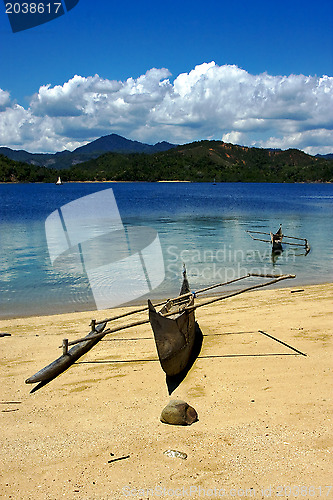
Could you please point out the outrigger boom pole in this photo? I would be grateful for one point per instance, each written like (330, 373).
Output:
(51, 371)
(163, 302)
(275, 279)
(284, 236)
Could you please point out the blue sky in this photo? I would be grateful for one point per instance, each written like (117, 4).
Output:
(265, 88)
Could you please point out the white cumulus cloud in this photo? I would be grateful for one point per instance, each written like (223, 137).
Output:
(210, 102)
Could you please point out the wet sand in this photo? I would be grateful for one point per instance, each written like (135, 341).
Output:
(94, 433)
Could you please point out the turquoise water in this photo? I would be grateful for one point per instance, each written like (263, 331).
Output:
(201, 225)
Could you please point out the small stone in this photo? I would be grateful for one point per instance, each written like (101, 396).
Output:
(178, 412)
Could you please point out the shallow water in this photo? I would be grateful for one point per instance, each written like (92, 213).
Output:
(201, 225)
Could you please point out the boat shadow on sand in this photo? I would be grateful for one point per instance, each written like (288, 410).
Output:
(174, 381)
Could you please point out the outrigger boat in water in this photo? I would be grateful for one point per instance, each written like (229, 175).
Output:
(173, 327)
(278, 239)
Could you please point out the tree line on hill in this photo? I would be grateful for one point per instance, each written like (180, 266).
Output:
(201, 161)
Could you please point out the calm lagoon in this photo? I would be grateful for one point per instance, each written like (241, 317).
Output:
(199, 224)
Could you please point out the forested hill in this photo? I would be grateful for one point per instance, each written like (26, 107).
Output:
(205, 161)
(197, 162)
(17, 171)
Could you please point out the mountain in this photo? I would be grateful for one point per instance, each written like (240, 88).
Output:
(207, 160)
(328, 156)
(65, 159)
(201, 161)
(117, 144)
(21, 155)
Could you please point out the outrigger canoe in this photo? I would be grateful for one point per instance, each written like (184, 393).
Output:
(174, 330)
(276, 240)
(173, 326)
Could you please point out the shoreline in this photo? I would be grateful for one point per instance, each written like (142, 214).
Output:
(142, 302)
(171, 181)
(94, 433)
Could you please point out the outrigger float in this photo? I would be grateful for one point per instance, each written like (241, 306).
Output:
(173, 328)
(276, 240)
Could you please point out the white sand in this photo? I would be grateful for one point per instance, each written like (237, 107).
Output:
(264, 411)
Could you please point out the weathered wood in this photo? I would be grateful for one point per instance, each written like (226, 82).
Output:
(260, 239)
(174, 337)
(253, 287)
(128, 313)
(98, 336)
(271, 275)
(295, 244)
(284, 236)
(257, 232)
(284, 242)
(65, 346)
(294, 237)
(142, 322)
(61, 364)
(145, 308)
(221, 284)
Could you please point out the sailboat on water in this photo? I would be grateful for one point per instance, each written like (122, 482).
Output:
(59, 182)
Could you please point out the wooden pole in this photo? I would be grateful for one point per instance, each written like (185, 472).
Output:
(269, 275)
(284, 236)
(65, 346)
(221, 284)
(257, 232)
(294, 244)
(294, 237)
(107, 332)
(283, 242)
(191, 308)
(142, 309)
(238, 292)
(123, 315)
(260, 239)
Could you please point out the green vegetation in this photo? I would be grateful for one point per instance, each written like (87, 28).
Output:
(197, 162)
(16, 171)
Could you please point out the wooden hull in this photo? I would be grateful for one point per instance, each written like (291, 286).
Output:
(276, 240)
(61, 364)
(174, 335)
(277, 247)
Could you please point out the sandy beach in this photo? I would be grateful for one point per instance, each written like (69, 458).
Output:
(264, 428)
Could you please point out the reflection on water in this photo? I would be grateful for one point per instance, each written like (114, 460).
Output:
(201, 225)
